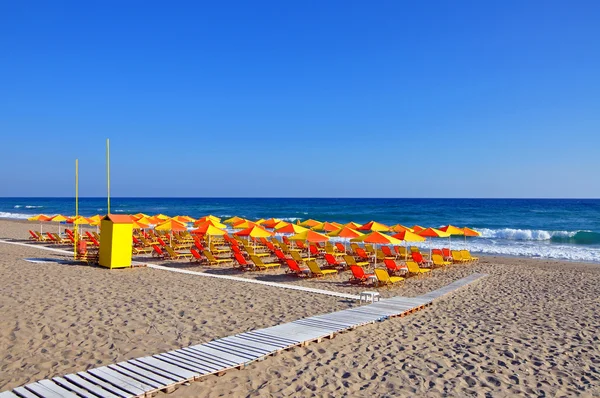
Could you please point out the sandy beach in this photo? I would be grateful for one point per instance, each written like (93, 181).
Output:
(529, 328)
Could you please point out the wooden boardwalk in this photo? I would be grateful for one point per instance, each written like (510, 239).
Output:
(142, 377)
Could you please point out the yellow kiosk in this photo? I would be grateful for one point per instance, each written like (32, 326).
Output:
(115, 241)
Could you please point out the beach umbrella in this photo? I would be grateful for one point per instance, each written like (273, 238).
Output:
(310, 223)
(153, 220)
(309, 236)
(243, 224)
(345, 233)
(170, 225)
(41, 218)
(452, 230)
(353, 225)
(326, 227)
(183, 219)
(417, 228)
(400, 228)
(146, 220)
(377, 238)
(210, 217)
(208, 229)
(271, 222)
(260, 221)
(469, 232)
(162, 217)
(433, 233)
(373, 226)
(233, 220)
(139, 225)
(408, 236)
(212, 222)
(280, 224)
(59, 218)
(140, 215)
(291, 229)
(255, 231)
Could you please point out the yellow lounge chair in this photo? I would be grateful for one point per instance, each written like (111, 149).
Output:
(316, 271)
(252, 251)
(385, 279)
(414, 269)
(351, 261)
(214, 260)
(458, 258)
(260, 265)
(177, 255)
(438, 261)
(467, 255)
(298, 258)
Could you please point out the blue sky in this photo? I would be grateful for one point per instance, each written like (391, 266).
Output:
(301, 98)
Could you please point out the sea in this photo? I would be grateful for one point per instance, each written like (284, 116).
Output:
(566, 229)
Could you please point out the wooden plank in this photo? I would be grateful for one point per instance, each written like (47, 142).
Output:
(22, 392)
(195, 359)
(123, 382)
(76, 389)
(8, 394)
(266, 343)
(151, 373)
(107, 386)
(208, 358)
(153, 383)
(42, 391)
(263, 333)
(250, 345)
(176, 370)
(63, 392)
(247, 355)
(233, 358)
(322, 325)
(186, 364)
(83, 383)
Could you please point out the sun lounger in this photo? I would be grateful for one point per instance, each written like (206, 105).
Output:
(438, 261)
(467, 256)
(295, 269)
(316, 271)
(393, 267)
(414, 269)
(177, 255)
(384, 278)
(351, 261)
(214, 260)
(260, 265)
(359, 275)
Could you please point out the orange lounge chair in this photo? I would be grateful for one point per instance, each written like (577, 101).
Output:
(359, 275)
(393, 267)
(295, 269)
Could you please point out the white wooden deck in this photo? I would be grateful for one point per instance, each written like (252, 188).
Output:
(144, 376)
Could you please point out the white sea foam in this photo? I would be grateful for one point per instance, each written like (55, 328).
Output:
(524, 234)
(14, 215)
(289, 219)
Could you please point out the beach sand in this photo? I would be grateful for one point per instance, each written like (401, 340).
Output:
(529, 328)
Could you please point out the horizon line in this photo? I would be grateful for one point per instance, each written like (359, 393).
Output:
(298, 197)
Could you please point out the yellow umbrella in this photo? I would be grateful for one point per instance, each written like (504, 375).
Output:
(162, 217)
(215, 224)
(243, 224)
(373, 226)
(255, 231)
(139, 225)
(145, 220)
(184, 219)
(400, 228)
(233, 220)
(59, 218)
(310, 223)
(309, 236)
(170, 225)
(140, 215)
(41, 218)
(408, 236)
(280, 224)
(352, 225)
(377, 238)
(262, 220)
(291, 229)
(210, 217)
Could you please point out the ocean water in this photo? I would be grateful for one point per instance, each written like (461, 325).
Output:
(544, 228)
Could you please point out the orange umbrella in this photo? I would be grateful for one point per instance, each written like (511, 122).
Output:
(212, 222)
(469, 232)
(310, 223)
(233, 220)
(270, 223)
(243, 224)
(41, 218)
(309, 236)
(345, 232)
(326, 227)
(255, 231)
(377, 238)
(433, 233)
(139, 225)
(373, 226)
(400, 228)
(353, 225)
(417, 228)
(452, 230)
(408, 236)
(291, 229)
(183, 219)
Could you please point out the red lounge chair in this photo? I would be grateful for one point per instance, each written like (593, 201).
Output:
(314, 251)
(162, 242)
(294, 268)
(362, 254)
(447, 254)
(359, 275)
(418, 258)
(158, 252)
(33, 235)
(332, 262)
(393, 267)
(280, 256)
(340, 247)
(196, 257)
(387, 252)
(243, 264)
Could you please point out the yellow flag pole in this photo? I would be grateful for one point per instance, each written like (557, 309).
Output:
(108, 173)
(76, 226)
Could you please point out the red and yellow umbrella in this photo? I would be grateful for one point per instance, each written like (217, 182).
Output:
(373, 226)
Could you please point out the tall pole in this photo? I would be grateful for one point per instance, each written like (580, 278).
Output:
(76, 227)
(108, 173)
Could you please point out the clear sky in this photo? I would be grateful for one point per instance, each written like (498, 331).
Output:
(301, 98)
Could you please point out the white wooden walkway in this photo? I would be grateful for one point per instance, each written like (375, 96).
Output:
(144, 376)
